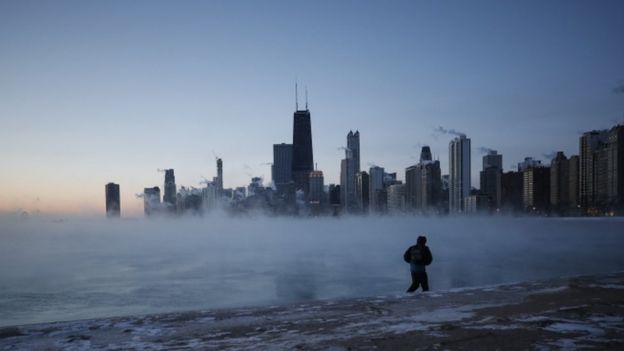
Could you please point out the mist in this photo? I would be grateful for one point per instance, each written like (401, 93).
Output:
(90, 267)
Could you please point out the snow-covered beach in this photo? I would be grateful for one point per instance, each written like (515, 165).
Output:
(565, 313)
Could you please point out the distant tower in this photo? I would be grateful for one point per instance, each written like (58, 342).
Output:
(376, 188)
(219, 176)
(353, 144)
(151, 200)
(349, 168)
(491, 178)
(113, 203)
(317, 186)
(425, 154)
(281, 171)
(302, 158)
(169, 199)
(560, 180)
(459, 173)
(423, 184)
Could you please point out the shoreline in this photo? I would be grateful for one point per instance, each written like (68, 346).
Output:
(571, 312)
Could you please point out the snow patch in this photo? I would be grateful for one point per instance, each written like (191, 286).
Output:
(566, 327)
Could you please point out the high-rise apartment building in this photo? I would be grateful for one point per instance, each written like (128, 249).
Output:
(536, 189)
(573, 185)
(512, 187)
(615, 168)
(491, 178)
(560, 183)
(589, 143)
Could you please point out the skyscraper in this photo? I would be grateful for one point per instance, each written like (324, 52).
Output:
(491, 178)
(396, 198)
(423, 183)
(412, 187)
(281, 170)
(169, 198)
(560, 183)
(425, 154)
(527, 163)
(151, 200)
(589, 142)
(113, 203)
(573, 185)
(219, 177)
(302, 157)
(536, 189)
(615, 168)
(317, 185)
(349, 167)
(361, 191)
(376, 188)
(353, 144)
(512, 188)
(459, 173)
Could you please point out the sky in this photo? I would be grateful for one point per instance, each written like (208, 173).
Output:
(99, 91)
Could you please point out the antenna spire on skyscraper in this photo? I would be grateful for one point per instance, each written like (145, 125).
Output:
(296, 97)
(306, 92)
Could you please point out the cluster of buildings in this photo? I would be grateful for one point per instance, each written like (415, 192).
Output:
(591, 183)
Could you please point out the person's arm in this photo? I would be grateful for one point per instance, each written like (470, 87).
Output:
(428, 255)
(407, 256)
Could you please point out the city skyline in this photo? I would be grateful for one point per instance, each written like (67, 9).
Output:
(82, 110)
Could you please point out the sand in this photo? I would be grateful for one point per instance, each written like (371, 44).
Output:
(566, 313)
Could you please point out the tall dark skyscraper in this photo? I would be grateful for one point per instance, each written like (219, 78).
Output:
(349, 167)
(113, 203)
(491, 178)
(353, 144)
(425, 154)
(459, 173)
(169, 198)
(281, 171)
(219, 177)
(589, 143)
(302, 158)
(560, 183)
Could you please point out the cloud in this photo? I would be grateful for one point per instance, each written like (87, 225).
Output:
(549, 156)
(485, 150)
(443, 131)
(619, 89)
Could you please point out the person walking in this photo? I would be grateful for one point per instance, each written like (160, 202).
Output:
(419, 257)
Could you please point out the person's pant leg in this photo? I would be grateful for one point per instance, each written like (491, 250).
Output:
(424, 281)
(415, 284)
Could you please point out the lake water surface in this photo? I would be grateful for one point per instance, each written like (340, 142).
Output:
(88, 268)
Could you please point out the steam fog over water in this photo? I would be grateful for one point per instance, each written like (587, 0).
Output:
(87, 268)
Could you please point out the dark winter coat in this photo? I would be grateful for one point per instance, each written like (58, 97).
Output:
(425, 255)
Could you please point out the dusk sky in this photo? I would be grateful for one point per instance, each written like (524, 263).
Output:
(93, 92)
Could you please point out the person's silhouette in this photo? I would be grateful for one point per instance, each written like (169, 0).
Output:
(418, 256)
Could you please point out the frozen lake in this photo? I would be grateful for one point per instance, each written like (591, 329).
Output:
(87, 268)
